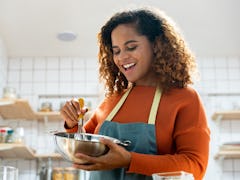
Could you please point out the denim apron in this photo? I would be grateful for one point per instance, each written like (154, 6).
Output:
(141, 135)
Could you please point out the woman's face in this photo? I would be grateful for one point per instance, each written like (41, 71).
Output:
(133, 55)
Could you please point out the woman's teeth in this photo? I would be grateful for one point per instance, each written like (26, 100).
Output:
(127, 66)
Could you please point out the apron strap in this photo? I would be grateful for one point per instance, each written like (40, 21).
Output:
(118, 105)
(155, 104)
(153, 111)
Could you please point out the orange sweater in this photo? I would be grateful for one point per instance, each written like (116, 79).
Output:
(181, 129)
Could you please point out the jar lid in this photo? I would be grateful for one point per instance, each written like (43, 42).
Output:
(10, 131)
(2, 130)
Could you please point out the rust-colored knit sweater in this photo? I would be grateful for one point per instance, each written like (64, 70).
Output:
(181, 129)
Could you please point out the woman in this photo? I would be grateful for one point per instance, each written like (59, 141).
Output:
(147, 69)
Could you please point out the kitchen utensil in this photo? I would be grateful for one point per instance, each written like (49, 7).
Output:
(68, 146)
(80, 120)
(8, 173)
(177, 175)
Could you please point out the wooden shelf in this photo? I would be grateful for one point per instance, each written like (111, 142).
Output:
(21, 151)
(54, 115)
(226, 115)
(16, 151)
(20, 109)
(228, 154)
(53, 156)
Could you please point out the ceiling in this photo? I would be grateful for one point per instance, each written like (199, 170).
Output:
(30, 27)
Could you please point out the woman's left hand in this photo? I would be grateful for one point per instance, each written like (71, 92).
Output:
(117, 157)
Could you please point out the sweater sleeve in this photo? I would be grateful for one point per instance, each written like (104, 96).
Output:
(190, 142)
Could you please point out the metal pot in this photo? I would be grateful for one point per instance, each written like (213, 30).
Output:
(89, 144)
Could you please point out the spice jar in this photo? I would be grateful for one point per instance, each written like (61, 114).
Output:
(3, 134)
(46, 107)
(58, 174)
(70, 174)
(9, 136)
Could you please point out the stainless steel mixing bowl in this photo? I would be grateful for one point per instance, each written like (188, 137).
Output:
(89, 144)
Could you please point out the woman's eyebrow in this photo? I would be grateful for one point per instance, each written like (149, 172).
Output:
(126, 43)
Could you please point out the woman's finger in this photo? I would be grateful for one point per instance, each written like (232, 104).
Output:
(91, 162)
(109, 143)
(71, 110)
(75, 105)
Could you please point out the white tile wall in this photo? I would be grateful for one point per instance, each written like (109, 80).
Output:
(221, 75)
(47, 75)
(3, 66)
(53, 75)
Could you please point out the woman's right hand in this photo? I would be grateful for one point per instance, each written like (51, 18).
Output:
(71, 111)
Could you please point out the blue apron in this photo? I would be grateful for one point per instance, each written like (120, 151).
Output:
(141, 135)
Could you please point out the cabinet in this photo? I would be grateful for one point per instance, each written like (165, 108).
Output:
(230, 150)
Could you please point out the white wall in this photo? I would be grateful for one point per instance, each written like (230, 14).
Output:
(3, 65)
(44, 75)
(219, 76)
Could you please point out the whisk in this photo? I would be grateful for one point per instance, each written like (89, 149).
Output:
(78, 135)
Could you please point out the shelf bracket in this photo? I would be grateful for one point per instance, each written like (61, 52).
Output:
(45, 118)
(219, 118)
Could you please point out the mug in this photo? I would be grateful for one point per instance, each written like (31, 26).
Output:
(177, 175)
(8, 173)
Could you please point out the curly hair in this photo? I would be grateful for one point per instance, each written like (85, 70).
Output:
(173, 64)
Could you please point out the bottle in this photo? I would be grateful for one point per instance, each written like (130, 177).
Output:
(2, 135)
(49, 170)
(9, 136)
(19, 135)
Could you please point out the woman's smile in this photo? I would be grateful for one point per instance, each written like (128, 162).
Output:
(129, 66)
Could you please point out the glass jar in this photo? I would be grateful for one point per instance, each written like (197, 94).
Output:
(70, 174)
(9, 92)
(58, 174)
(46, 107)
(3, 134)
(19, 135)
(9, 136)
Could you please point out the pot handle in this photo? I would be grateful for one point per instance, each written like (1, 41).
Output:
(124, 143)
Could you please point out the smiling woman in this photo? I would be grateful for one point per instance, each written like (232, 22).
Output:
(147, 69)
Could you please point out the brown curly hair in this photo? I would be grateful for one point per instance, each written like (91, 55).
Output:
(174, 63)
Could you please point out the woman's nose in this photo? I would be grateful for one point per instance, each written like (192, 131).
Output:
(123, 55)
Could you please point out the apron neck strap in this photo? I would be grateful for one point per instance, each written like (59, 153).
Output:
(153, 111)
(119, 105)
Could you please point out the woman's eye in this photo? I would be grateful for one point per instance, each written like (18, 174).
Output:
(131, 48)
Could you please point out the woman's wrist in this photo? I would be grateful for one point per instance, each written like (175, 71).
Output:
(66, 126)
